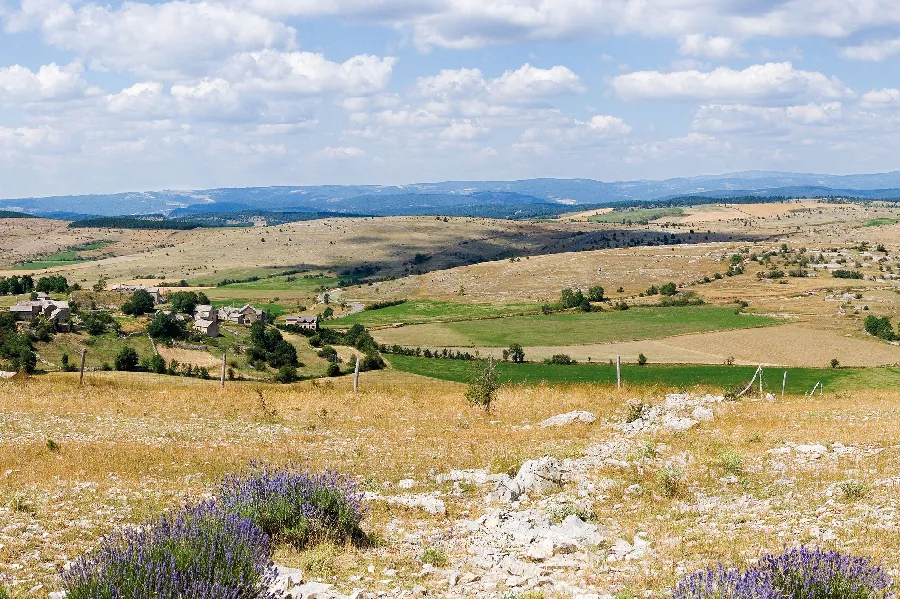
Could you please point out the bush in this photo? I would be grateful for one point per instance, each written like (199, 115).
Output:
(668, 289)
(333, 370)
(879, 327)
(560, 360)
(286, 374)
(732, 462)
(200, 552)
(595, 294)
(157, 364)
(670, 481)
(853, 490)
(166, 326)
(127, 359)
(515, 353)
(798, 572)
(97, 323)
(846, 274)
(483, 387)
(434, 556)
(642, 360)
(295, 506)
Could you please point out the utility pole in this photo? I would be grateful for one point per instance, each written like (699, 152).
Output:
(356, 376)
(81, 376)
(224, 354)
(619, 372)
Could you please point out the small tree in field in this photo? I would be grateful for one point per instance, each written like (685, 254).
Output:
(642, 360)
(516, 353)
(483, 387)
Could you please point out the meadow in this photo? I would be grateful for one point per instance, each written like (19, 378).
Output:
(575, 328)
(636, 216)
(666, 377)
(424, 311)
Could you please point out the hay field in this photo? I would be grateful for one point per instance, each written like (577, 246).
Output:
(133, 444)
(800, 345)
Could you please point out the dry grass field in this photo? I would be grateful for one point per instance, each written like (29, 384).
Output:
(758, 476)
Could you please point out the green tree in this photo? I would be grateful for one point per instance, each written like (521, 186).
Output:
(668, 289)
(333, 370)
(482, 389)
(166, 326)
(97, 323)
(596, 293)
(158, 364)
(140, 303)
(184, 301)
(127, 359)
(516, 353)
(642, 360)
(286, 374)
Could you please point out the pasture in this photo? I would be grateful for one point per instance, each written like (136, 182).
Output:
(424, 311)
(574, 328)
(666, 377)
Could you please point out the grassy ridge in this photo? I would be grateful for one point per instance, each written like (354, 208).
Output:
(63, 258)
(572, 328)
(800, 380)
(641, 215)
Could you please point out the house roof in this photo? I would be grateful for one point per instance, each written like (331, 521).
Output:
(204, 323)
(303, 318)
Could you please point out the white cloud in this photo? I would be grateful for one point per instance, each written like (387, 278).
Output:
(144, 99)
(703, 46)
(765, 121)
(574, 134)
(464, 131)
(18, 139)
(306, 73)
(334, 153)
(20, 84)
(766, 83)
(881, 97)
(526, 84)
(873, 51)
(167, 39)
(693, 144)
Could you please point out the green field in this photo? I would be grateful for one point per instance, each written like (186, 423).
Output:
(286, 283)
(64, 258)
(575, 328)
(638, 216)
(800, 380)
(880, 222)
(424, 311)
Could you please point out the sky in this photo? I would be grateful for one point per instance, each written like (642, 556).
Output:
(127, 96)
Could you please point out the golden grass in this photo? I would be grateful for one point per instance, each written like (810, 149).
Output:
(129, 444)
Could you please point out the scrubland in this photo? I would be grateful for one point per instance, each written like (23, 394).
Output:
(757, 476)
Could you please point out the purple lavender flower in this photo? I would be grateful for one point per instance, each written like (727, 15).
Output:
(799, 573)
(295, 506)
(198, 551)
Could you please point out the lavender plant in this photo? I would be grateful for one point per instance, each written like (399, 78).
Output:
(798, 573)
(295, 506)
(812, 573)
(198, 551)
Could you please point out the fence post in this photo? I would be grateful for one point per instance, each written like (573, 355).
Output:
(81, 376)
(760, 383)
(356, 376)
(224, 354)
(783, 383)
(619, 372)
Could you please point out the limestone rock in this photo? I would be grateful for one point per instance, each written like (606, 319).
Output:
(569, 418)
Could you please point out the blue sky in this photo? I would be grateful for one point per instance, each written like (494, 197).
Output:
(98, 97)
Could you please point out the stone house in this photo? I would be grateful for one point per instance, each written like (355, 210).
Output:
(310, 323)
(155, 292)
(245, 315)
(49, 309)
(206, 312)
(210, 328)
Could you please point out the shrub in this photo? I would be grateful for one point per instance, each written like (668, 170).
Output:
(516, 353)
(166, 326)
(636, 411)
(642, 360)
(434, 556)
(97, 323)
(127, 359)
(157, 364)
(668, 289)
(198, 551)
(670, 481)
(286, 374)
(731, 462)
(846, 274)
(879, 327)
(853, 490)
(798, 572)
(295, 506)
(333, 370)
(596, 293)
(560, 360)
(483, 387)
(835, 363)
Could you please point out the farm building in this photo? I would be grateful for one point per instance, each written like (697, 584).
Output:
(210, 328)
(245, 315)
(49, 309)
(205, 312)
(304, 322)
(155, 292)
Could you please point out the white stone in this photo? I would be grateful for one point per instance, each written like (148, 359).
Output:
(569, 418)
(406, 483)
(540, 551)
(702, 414)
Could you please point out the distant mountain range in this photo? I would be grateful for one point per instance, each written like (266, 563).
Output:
(530, 197)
